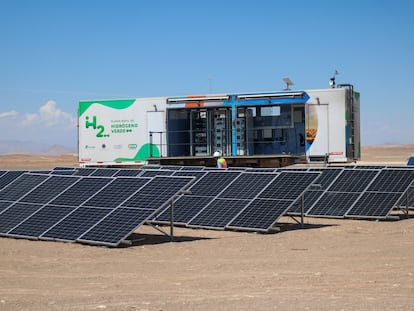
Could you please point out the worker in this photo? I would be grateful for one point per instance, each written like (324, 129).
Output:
(221, 162)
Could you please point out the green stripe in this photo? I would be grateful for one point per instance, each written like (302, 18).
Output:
(115, 104)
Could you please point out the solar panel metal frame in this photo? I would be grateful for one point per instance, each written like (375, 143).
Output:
(150, 213)
(21, 186)
(270, 224)
(340, 188)
(282, 211)
(200, 220)
(9, 177)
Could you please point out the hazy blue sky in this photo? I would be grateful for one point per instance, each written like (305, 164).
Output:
(55, 53)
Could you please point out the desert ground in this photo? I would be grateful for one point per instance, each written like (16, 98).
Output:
(330, 264)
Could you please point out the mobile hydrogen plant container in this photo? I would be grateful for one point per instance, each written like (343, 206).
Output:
(311, 125)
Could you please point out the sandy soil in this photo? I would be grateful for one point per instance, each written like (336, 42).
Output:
(329, 265)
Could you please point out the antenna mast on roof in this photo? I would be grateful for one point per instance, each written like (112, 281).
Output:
(288, 83)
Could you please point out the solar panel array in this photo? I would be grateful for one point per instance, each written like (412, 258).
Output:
(242, 200)
(371, 192)
(103, 206)
(94, 209)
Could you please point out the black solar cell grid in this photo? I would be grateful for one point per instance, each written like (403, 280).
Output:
(248, 185)
(25, 183)
(4, 205)
(261, 170)
(128, 173)
(374, 204)
(15, 214)
(116, 192)
(353, 180)
(41, 221)
(185, 208)
(9, 177)
(171, 167)
(63, 172)
(333, 204)
(363, 167)
(153, 173)
(213, 183)
(116, 226)
(49, 189)
(407, 200)
(63, 168)
(81, 191)
(218, 213)
(310, 197)
(84, 171)
(75, 224)
(392, 180)
(288, 185)
(196, 174)
(260, 215)
(158, 191)
(192, 168)
(328, 175)
(105, 172)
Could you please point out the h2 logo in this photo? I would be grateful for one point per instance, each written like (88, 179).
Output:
(100, 128)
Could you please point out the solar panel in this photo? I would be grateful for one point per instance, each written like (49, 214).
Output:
(84, 171)
(333, 204)
(4, 205)
(218, 213)
(261, 170)
(392, 180)
(260, 215)
(328, 175)
(49, 189)
(15, 214)
(62, 172)
(81, 191)
(213, 183)
(248, 185)
(310, 197)
(185, 208)
(157, 191)
(116, 226)
(171, 167)
(75, 224)
(122, 221)
(193, 168)
(116, 192)
(407, 200)
(289, 185)
(196, 174)
(128, 173)
(42, 220)
(9, 177)
(63, 168)
(353, 180)
(25, 183)
(153, 173)
(104, 172)
(374, 204)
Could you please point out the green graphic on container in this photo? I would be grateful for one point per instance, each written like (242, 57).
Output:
(115, 131)
(143, 153)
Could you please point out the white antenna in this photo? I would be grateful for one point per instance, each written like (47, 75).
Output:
(288, 83)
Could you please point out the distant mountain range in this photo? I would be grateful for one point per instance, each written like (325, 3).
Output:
(34, 148)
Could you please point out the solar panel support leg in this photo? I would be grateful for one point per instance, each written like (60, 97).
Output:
(172, 220)
(407, 202)
(302, 209)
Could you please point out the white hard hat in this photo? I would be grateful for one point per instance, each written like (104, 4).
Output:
(216, 154)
